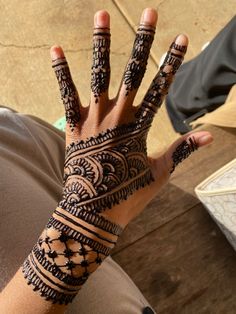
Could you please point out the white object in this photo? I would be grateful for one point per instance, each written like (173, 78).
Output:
(218, 195)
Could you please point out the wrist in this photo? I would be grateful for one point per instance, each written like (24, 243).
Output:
(67, 252)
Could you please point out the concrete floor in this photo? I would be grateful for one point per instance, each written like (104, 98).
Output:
(29, 28)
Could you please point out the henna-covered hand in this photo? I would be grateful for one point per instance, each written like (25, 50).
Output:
(106, 162)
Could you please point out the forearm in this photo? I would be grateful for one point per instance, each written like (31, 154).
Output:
(67, 252)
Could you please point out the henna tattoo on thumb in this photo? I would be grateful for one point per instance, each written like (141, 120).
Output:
(183, 151)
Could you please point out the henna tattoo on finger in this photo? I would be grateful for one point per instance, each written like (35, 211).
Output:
(68, 92)
(100, 74)
(137, 64)
(161, 83)
(183, 151)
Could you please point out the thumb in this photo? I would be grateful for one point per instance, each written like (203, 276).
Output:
(163, 165)
(184, 147)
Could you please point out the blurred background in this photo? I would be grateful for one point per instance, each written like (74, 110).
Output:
(29, 28)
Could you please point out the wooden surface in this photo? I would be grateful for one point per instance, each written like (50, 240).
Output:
(173, 251)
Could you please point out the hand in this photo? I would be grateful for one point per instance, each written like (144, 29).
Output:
(108, 177)
(106, 159)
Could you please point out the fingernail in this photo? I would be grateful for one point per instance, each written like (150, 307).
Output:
(56, 52)
(181, 40)
(102, 19)
(149, 17)
(205, 139)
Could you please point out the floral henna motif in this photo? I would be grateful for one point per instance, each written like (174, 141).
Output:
(138, 62)
(106, 169)
(101, 63)
(183, 151)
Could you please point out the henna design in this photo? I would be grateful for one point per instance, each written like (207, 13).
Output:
(101, 63)
(106, 169)
(139, 57)
(160, 85)
(60, 263)
(183, 151)
(99, 172)
(68, 91)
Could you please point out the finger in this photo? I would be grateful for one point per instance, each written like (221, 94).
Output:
(184, 147)
(68, 90)
(137, 63)
(100, 75)
(161, 83)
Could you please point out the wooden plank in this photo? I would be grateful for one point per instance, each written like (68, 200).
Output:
(186, 266)
(170, 203)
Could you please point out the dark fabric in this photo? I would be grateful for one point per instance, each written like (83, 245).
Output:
(148, 310)
(205, 81)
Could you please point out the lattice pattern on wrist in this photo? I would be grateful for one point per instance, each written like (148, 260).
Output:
(63, 259)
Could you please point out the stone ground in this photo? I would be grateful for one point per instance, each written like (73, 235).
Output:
(29, 28)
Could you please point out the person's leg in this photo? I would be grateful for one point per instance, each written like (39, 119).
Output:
(31, 162)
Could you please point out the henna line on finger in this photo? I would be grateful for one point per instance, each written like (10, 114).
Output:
(181, 48)
(102, 34)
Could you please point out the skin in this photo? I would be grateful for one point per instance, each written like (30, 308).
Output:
(96, 118)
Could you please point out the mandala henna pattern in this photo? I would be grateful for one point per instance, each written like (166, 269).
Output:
(183, 151)
(68, 91)
(139, 57)
(106, 169)
(101, 63)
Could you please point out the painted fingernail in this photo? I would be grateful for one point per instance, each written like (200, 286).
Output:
(205, 139)
(56, 52)
(149, 17)
(102, 19)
